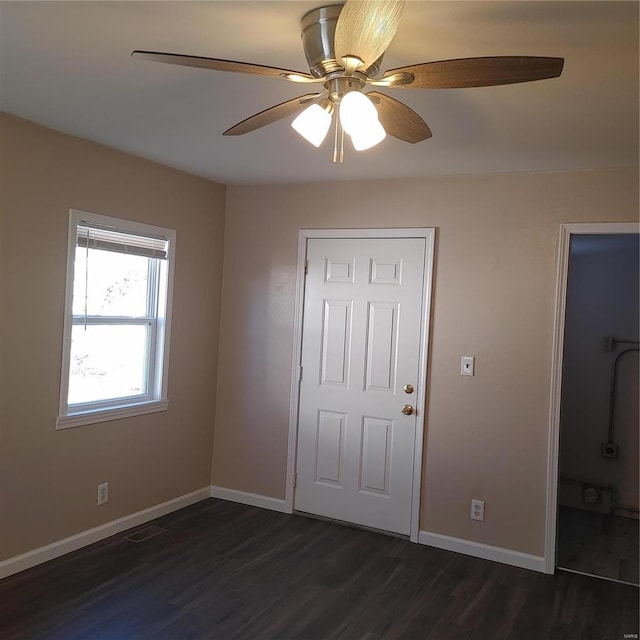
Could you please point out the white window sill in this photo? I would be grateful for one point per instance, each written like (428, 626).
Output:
(105, 415)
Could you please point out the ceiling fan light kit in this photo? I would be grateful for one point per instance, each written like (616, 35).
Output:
(359, 118)
(313, 124)
(367, 137)
(344, 46)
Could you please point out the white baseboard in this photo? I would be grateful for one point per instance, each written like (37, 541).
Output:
(67, 545)
(252, 499)
(484, 551)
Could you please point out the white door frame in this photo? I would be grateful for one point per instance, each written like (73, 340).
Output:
(305, 234)
(566, 231)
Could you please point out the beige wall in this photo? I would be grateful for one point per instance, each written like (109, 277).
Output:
(48, 478)
(486, 436)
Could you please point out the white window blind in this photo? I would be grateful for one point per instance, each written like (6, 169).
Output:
(99, 237)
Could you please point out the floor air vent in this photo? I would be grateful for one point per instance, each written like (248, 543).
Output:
(144, 534)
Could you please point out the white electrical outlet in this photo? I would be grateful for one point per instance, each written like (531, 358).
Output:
(477, 510)
(103, 493)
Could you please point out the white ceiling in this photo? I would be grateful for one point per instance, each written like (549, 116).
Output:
(66, 65)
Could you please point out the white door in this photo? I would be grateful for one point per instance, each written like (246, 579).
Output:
(363, 310)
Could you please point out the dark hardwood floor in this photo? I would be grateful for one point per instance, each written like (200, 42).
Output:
(599, 544)
(224, 571)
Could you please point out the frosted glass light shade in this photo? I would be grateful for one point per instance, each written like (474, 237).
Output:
(313, 124)
(359, 118)
(369, 136)
(356, 110)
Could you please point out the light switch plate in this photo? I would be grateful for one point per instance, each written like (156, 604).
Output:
(467, 365)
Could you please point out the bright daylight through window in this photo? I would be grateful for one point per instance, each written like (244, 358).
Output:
(117, 312)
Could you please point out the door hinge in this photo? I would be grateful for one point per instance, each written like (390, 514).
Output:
(300, 373)
(295, 480)
(306, 267)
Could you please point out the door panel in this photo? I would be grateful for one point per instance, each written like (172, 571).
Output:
(375, 455)
(336, 339)
(329, 447)
(382, 342)
(361, 344)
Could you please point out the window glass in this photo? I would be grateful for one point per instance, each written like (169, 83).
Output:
(110, 283)
(107, 361)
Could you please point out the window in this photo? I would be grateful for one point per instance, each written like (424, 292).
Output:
(117, 312)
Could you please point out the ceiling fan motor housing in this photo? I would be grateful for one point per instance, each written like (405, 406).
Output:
(318, 31)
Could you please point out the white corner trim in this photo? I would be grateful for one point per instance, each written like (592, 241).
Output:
(484, 551)
(553, 443)
(77, 541)
(421, 398)
(251, 499)
(296, 368)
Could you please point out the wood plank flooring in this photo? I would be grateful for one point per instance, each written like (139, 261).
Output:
(225, 571)
(598, 544)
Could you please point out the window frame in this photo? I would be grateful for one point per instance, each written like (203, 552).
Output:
(158, 328)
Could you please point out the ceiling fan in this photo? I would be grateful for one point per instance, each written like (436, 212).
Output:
(344, 45)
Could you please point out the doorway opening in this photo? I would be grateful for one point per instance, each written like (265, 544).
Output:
(597, 463)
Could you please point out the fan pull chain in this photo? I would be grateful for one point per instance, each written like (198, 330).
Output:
(338, 152)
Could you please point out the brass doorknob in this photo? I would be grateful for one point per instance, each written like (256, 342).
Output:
(407, 409)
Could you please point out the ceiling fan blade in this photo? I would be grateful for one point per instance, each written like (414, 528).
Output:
(273, 114)
(478, 72)
(399, 120)
(365, 29)
(216, 64)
